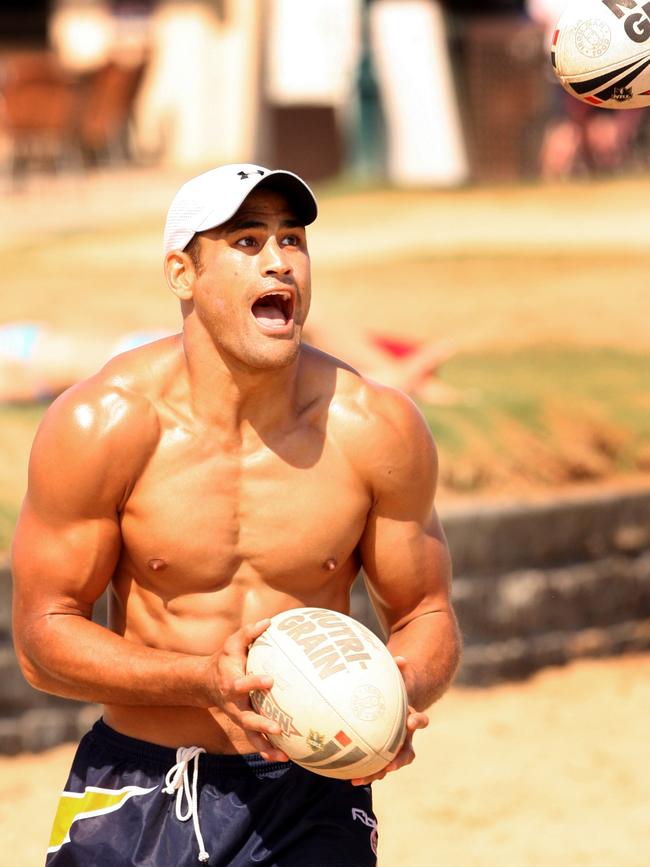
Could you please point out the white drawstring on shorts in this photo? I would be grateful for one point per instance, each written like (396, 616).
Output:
(178, 780)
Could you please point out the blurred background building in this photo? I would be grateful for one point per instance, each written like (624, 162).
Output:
(409, 92)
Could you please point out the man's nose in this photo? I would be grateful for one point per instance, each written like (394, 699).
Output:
(274, 258)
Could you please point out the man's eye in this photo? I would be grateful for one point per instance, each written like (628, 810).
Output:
(246, 242)
(290, 241)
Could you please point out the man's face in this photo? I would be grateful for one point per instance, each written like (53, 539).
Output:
(253, 290)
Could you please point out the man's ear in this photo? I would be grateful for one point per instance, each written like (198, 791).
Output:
(180, 274)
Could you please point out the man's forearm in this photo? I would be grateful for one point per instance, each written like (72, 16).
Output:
(431, 644)
(73, 657)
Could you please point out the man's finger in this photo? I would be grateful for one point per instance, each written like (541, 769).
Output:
(255, 722)
(254, 630)
(416, 720)
(266, 749)
(239, 642)
(248, 682)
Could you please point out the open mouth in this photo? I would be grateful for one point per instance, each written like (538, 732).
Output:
(274, 310)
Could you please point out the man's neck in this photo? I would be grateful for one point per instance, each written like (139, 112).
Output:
(233, 396)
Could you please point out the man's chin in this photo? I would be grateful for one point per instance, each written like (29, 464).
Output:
(274, 354)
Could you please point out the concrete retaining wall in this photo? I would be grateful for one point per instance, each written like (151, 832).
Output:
(551, 582)
(534, 585)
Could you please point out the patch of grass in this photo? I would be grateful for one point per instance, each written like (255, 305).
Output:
(8, 518)
(552, 401)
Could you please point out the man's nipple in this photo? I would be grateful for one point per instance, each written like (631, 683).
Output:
(330, 564)
(157, 564)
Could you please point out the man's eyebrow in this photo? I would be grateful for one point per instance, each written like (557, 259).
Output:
(237, 224)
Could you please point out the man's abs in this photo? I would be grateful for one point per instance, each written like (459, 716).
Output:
(179, 726)
(199, 624)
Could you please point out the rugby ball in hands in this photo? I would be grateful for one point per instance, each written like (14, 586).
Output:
(601, 52)
(337, 692)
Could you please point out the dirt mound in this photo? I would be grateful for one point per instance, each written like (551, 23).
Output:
(578, 450)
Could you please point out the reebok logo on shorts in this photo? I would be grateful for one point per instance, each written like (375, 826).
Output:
(360, 815)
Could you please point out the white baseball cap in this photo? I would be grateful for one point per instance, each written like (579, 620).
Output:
(212, 198)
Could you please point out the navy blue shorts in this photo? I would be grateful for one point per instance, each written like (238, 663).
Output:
(120, 807)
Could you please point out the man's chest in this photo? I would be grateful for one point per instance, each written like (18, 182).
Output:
(262, 512)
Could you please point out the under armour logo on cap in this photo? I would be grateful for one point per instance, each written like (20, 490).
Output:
(244, 175)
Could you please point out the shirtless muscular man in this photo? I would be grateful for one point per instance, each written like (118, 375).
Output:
(210, 480)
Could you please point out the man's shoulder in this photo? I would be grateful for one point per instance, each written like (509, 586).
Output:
(139, 375)
(117, 404)
(384, 435)
(145, 369)
(96, 437)
(366, 408)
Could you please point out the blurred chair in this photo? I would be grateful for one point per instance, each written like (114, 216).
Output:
(108, 99)
(39, 106)
(56, 120)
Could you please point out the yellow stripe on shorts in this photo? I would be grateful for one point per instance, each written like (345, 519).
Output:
(93, 801)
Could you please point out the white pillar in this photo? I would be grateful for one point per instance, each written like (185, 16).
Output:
(199, 100)
(411, 58)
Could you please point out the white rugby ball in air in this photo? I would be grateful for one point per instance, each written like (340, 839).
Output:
(337, 692)
(601, 52)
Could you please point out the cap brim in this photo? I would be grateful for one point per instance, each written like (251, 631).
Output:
(298, 194)
(296, 191)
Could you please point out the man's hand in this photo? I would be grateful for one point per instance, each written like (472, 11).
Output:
(414, 721)
(232, 687)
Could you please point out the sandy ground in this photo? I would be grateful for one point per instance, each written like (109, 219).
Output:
(552, 772)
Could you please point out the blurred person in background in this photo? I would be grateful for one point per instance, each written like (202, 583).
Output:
(579, 138)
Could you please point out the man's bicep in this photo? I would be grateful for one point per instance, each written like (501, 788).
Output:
(407, 567)
(62, 566)
(403, 548)
(66, 542)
